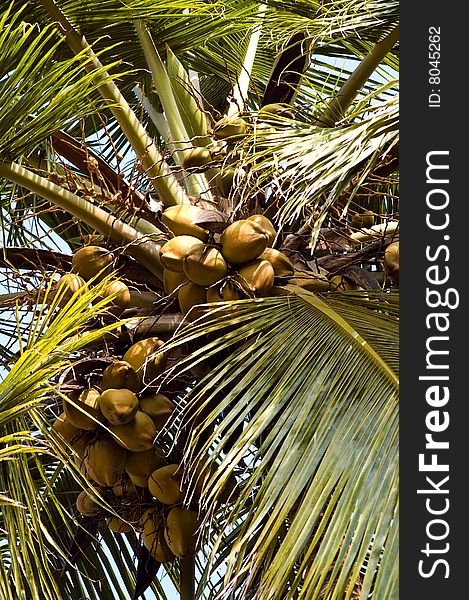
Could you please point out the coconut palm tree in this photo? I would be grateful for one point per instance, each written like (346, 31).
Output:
(284, 399)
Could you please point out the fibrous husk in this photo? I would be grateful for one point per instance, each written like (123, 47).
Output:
(257, 277)
(267, 226)
(172, 280)
(158, 407)
(165, 484)
(190, 295)
(176, 249)
(147, 358)
(91, 260)
(67, 285)
(105, 461)
(232, 128)
(181, 530)
(120, 375)
(140, 465)
(136, 436)
(122, 297)
(153, 536)
(67, 431)
(84, 412)
(118, 406)
(205, 267)
(243, 241)
(180, 219)
(86, 505)
(279, 261)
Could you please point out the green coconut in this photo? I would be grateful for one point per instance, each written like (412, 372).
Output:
(84, 412)
(343, 284)
(195, 158)
(165, 484)
(120, 375)
(191, 295)
(267, 226)
(224, 181)
(121, 294)
(311, 281)
(230, 128)
(205, 267)
(67, 285)
(158, 407)
(172, 280)
(118, 406)
(105, 461)
(181, 531)
(180, 220)
(153, 536)
(146, 358)
(272, 111)
(65, 429)
(137, 435)
(279, 261)
(243, 241)
(257, 277)
(173, 253)
(91, 260)
(140, 465)
(223, 292)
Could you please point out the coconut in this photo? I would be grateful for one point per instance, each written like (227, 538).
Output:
(343, 284)
(196, 158)
(271, 111)
(158, 407)
(86, 505)
(267, 226)
(232, 128)
(172, 280)
(120, 375)
(136, 436)
(118, 525)
(65, 429)
(279, 261)
(146, 358)
(226, 291)
(176, 249)
(105, 461)
(84, 413)
(153, 536)
(243, 241)
(391, 260)
(257, 277)
(91, 260)
(165, 484)
(180, 531)
(121, 299)
(189, 296)
(67, 285)
(125, 488)
(118, 406)
(311, 281)
(140, 465)
(224, 181)
(205, 267)
(368, 218)
(180, 220)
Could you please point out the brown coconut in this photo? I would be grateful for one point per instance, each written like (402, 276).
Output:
(86, 505)
(157, 406)
(147, 358)
(176, 249)
(266, 225)
(243, 241)
(279, 261)
(118, 406)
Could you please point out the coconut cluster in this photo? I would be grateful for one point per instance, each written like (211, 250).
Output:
(93, 263)
(201, 267)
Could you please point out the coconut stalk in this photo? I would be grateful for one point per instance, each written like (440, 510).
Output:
(141, 247)
(187, 584)
(196, 184)
(158, 171)
(348, 92)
